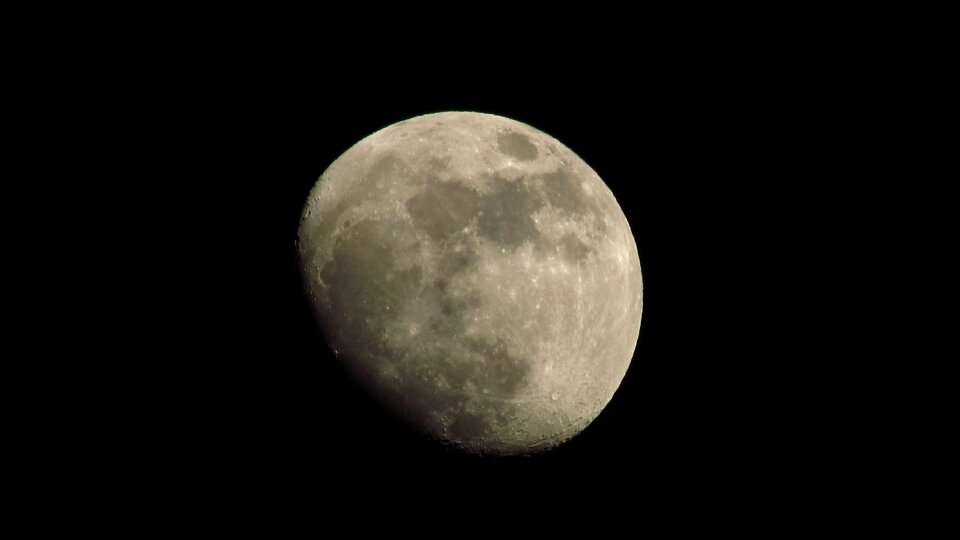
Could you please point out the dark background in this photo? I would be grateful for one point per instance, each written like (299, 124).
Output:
(755, 156)
(742, 152)
(709, 159)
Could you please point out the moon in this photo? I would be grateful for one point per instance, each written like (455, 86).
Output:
(476, 277)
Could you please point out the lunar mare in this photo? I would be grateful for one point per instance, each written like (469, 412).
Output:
(477, 277)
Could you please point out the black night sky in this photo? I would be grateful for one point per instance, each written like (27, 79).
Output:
(758, 157)
(697, 154)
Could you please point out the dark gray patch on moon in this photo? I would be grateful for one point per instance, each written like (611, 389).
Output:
(442, 208)
(449, 312)
(572, 249)
(387, 167)
(563, 190)
(467, 426)
(501, 374)
(364, 290)
(517, 146)
(366, 294)
(436, 379)
(439, 164)
(458, 260)
(507, 214)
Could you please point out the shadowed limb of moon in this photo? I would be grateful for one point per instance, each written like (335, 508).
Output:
(477, 277)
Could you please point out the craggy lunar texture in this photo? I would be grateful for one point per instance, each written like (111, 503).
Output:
(477, 277)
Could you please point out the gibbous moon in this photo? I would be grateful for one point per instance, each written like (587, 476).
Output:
(476, 277)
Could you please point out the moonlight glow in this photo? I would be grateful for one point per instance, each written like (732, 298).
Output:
(477, 277)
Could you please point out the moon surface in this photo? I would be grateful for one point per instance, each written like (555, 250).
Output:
(476, 277)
